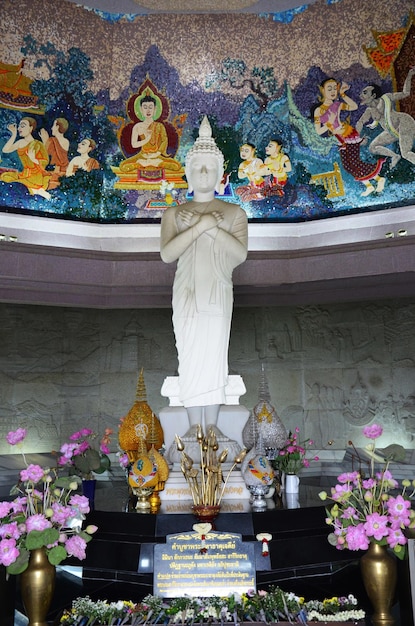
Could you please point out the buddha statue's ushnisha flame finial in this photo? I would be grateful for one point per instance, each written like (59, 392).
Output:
(205, 144)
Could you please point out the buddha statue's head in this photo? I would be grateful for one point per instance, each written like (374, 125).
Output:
(204, 154)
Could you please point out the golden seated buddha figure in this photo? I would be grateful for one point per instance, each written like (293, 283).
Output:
(149, 143)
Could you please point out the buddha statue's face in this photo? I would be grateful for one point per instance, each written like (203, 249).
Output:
(203, 172)
(148, 109)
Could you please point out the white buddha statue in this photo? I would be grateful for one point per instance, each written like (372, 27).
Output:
(208, 237)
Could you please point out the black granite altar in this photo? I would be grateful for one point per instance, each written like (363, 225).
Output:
(298, 549)
(301, 559)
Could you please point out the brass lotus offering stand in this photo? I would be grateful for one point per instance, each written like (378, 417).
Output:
(207, 482)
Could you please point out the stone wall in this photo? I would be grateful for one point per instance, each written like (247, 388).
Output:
(331, 369)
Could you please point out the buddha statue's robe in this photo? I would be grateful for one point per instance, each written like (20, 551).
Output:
(203, 300)
(155, 149)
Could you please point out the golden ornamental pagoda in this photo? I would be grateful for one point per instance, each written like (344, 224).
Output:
(140, 420)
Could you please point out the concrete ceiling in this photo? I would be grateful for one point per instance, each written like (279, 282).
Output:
(46, 261)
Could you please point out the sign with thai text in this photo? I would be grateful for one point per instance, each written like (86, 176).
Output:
(205, 566)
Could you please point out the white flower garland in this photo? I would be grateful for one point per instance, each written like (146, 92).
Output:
(341, 616)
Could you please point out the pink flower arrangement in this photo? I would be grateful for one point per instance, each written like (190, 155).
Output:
(46, 512)
(291, 458)
(371, 508)
(80, 455)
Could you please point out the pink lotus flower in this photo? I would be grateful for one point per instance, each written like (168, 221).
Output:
(80, 455)
(291, 458)
(396, 538)
(16, 436)
(339, 492)
(37, 522)
(81, 503)
(61, 513)
(76, 546)
(32, 473)
(8, 552)
(10, 530)
(47, 513)
(349, 513)
(364, 510)
(376, 526)
(369, 483)
(5, 508)
(387, 479)
(356, 538)
(374, 431)
(348, 477)
(399, 515)
(84, 432)
(19, 505)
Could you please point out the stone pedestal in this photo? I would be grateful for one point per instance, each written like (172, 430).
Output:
(231, 420)
(234, 389)
(177, 490)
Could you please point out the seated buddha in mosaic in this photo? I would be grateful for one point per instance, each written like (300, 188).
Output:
(149, 142)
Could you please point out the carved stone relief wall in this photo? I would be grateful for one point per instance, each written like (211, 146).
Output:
(330, 369)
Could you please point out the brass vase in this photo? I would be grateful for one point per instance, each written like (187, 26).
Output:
(379, 573)
(37, 585)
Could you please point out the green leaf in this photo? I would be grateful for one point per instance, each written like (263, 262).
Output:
(20, 563)
(400, 551)
(332, 539)
(56, 555)
(63, 482)
(94, 458)
(89, 462)
(15, 491)
(395, 452)
(39, 538)
(105, 464)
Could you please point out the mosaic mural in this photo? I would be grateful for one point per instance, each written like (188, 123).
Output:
(314, 109)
